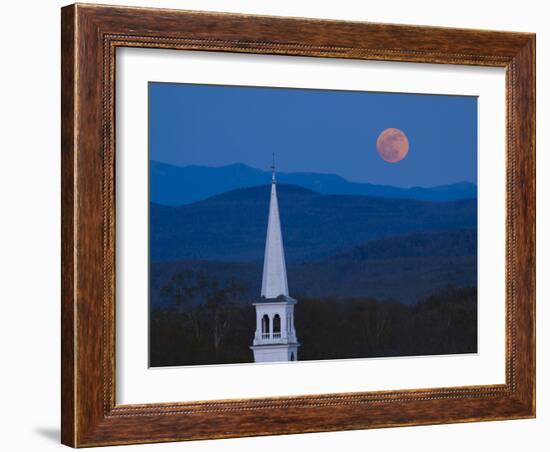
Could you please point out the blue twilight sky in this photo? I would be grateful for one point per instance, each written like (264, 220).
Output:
(324, 131)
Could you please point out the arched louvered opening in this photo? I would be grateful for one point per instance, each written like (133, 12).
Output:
(265, 326)
(277, 326)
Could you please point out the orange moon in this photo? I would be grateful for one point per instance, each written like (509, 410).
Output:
(392, 145)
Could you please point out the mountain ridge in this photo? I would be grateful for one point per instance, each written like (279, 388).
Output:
(232, 226)
(178, 185)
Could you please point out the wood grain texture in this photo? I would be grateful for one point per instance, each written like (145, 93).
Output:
(68, 147)
(90, 36)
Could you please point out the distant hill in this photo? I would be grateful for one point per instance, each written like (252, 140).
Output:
(232, 226)
(174, 185)
(417, 266)
(458, 243)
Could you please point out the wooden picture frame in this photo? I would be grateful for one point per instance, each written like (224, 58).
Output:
(90, 36)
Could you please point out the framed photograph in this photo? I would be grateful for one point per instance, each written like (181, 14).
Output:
(281, 225)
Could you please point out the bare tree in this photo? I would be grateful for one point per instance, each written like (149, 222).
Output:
(203, 301)
(185, 290)
(217, 304)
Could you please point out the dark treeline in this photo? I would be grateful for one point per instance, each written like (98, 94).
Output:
(445, 323)
(205, 322)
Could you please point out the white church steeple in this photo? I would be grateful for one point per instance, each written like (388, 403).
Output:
(275, 337)
(274, 281)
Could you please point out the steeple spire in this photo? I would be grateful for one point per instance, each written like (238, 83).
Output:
(274, 280)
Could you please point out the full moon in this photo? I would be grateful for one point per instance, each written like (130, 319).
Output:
(392, 145)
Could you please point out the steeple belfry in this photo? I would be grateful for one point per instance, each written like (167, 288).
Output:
(274, 280)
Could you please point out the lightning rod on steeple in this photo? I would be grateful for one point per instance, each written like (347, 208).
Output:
(273, 168)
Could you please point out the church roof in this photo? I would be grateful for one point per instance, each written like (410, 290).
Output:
(274, 280)
(279, 299)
